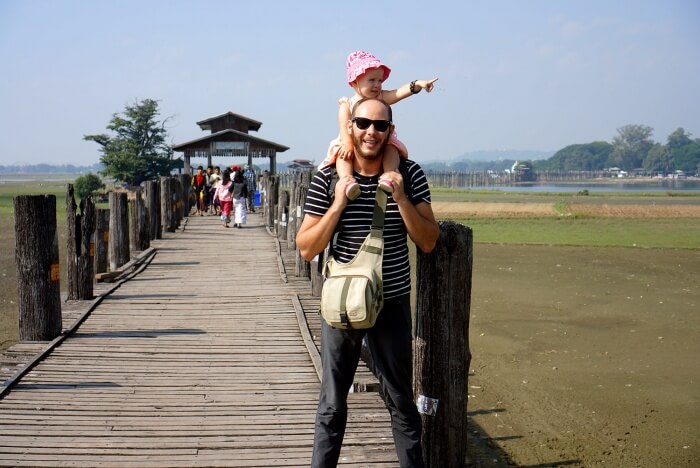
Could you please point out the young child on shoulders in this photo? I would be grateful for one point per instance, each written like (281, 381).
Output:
(365, 75)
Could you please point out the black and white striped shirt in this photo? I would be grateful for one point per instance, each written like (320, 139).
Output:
(356, 220)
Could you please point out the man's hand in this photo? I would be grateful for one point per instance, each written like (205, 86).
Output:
(340, 200)
(419, 219)
(316, 231)
(396, 180)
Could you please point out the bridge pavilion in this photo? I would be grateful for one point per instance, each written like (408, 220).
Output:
(229, 137)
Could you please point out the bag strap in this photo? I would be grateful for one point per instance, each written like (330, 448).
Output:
(379, 214)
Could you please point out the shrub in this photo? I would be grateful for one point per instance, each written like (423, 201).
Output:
(87, 184)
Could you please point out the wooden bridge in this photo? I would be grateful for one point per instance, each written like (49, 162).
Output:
(203, 357)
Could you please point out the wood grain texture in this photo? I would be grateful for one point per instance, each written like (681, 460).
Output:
(196, 361)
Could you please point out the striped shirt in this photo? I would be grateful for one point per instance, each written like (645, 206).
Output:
(355, 222)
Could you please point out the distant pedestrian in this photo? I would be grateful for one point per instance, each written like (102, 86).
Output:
(250, 179)
(239, 190)
(225, 197)
(208, 199)
(199, 185)
(215, 178)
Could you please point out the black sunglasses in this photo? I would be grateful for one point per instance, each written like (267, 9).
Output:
(379, 125)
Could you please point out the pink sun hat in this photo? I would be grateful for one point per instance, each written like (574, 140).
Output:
(360, 61)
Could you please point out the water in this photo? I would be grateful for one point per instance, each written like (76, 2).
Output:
(25, 178)
(651, 186)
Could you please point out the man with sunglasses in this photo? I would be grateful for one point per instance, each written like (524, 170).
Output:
(390, 339)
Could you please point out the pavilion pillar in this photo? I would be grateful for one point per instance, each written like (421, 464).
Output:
(186, 168)
(273, 163)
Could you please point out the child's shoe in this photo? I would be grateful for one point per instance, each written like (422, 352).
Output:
(386, 185)
(352, 191)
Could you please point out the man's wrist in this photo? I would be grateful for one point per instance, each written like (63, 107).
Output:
(403, 200)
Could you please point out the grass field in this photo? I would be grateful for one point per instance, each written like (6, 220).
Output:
(646, 220)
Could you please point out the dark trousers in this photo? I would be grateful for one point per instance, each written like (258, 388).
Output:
(390, 344)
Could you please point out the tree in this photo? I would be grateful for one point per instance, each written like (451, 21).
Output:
(631, 146)
(687, 158)
(678, 139)
(87, 184)
(138, 152)
(585, 157)
(658, 159)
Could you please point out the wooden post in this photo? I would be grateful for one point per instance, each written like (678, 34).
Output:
(177, 205)
(291, 222)
(185, 181)
(138, 223)
(301, 266)
(86, 252)
(133, 224)
(282, 214)
(441, 346)
(38, 270)
(152, 201)
(118, 230)
(144, 238)
(270, 203)
(79, 246)
(72, 241)
(166, 204)
(101, 240)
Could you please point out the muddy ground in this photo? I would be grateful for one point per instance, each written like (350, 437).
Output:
(585, 357)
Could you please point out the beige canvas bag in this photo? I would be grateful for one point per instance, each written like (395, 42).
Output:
(353, 295)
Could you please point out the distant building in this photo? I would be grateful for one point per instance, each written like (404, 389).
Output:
(229, 137)
(523, 171)
(301, 165)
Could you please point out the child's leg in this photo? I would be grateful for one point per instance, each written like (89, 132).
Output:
(389, 164)
(344, 168)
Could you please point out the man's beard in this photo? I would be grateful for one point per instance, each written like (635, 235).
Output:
(372, 155)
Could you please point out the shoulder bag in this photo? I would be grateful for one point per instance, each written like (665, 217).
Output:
(353, 295)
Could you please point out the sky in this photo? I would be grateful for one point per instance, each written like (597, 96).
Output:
(513, 75)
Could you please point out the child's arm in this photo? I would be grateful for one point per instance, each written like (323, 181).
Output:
(391, 159)
(345, 151)
(392, 96)
(344, 167)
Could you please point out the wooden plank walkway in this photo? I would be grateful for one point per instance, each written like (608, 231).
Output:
(196, 361)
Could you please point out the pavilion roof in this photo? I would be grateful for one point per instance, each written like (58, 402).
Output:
(228, 135)
(206, 124)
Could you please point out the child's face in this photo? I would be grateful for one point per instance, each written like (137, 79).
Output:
(369, 84)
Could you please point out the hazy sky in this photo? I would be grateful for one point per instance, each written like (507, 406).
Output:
(526, 75)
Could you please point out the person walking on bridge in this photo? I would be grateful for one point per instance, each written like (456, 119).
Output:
(249, 175)
(199, 184)
(239, 188)
(225, 197)
(390, 340)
